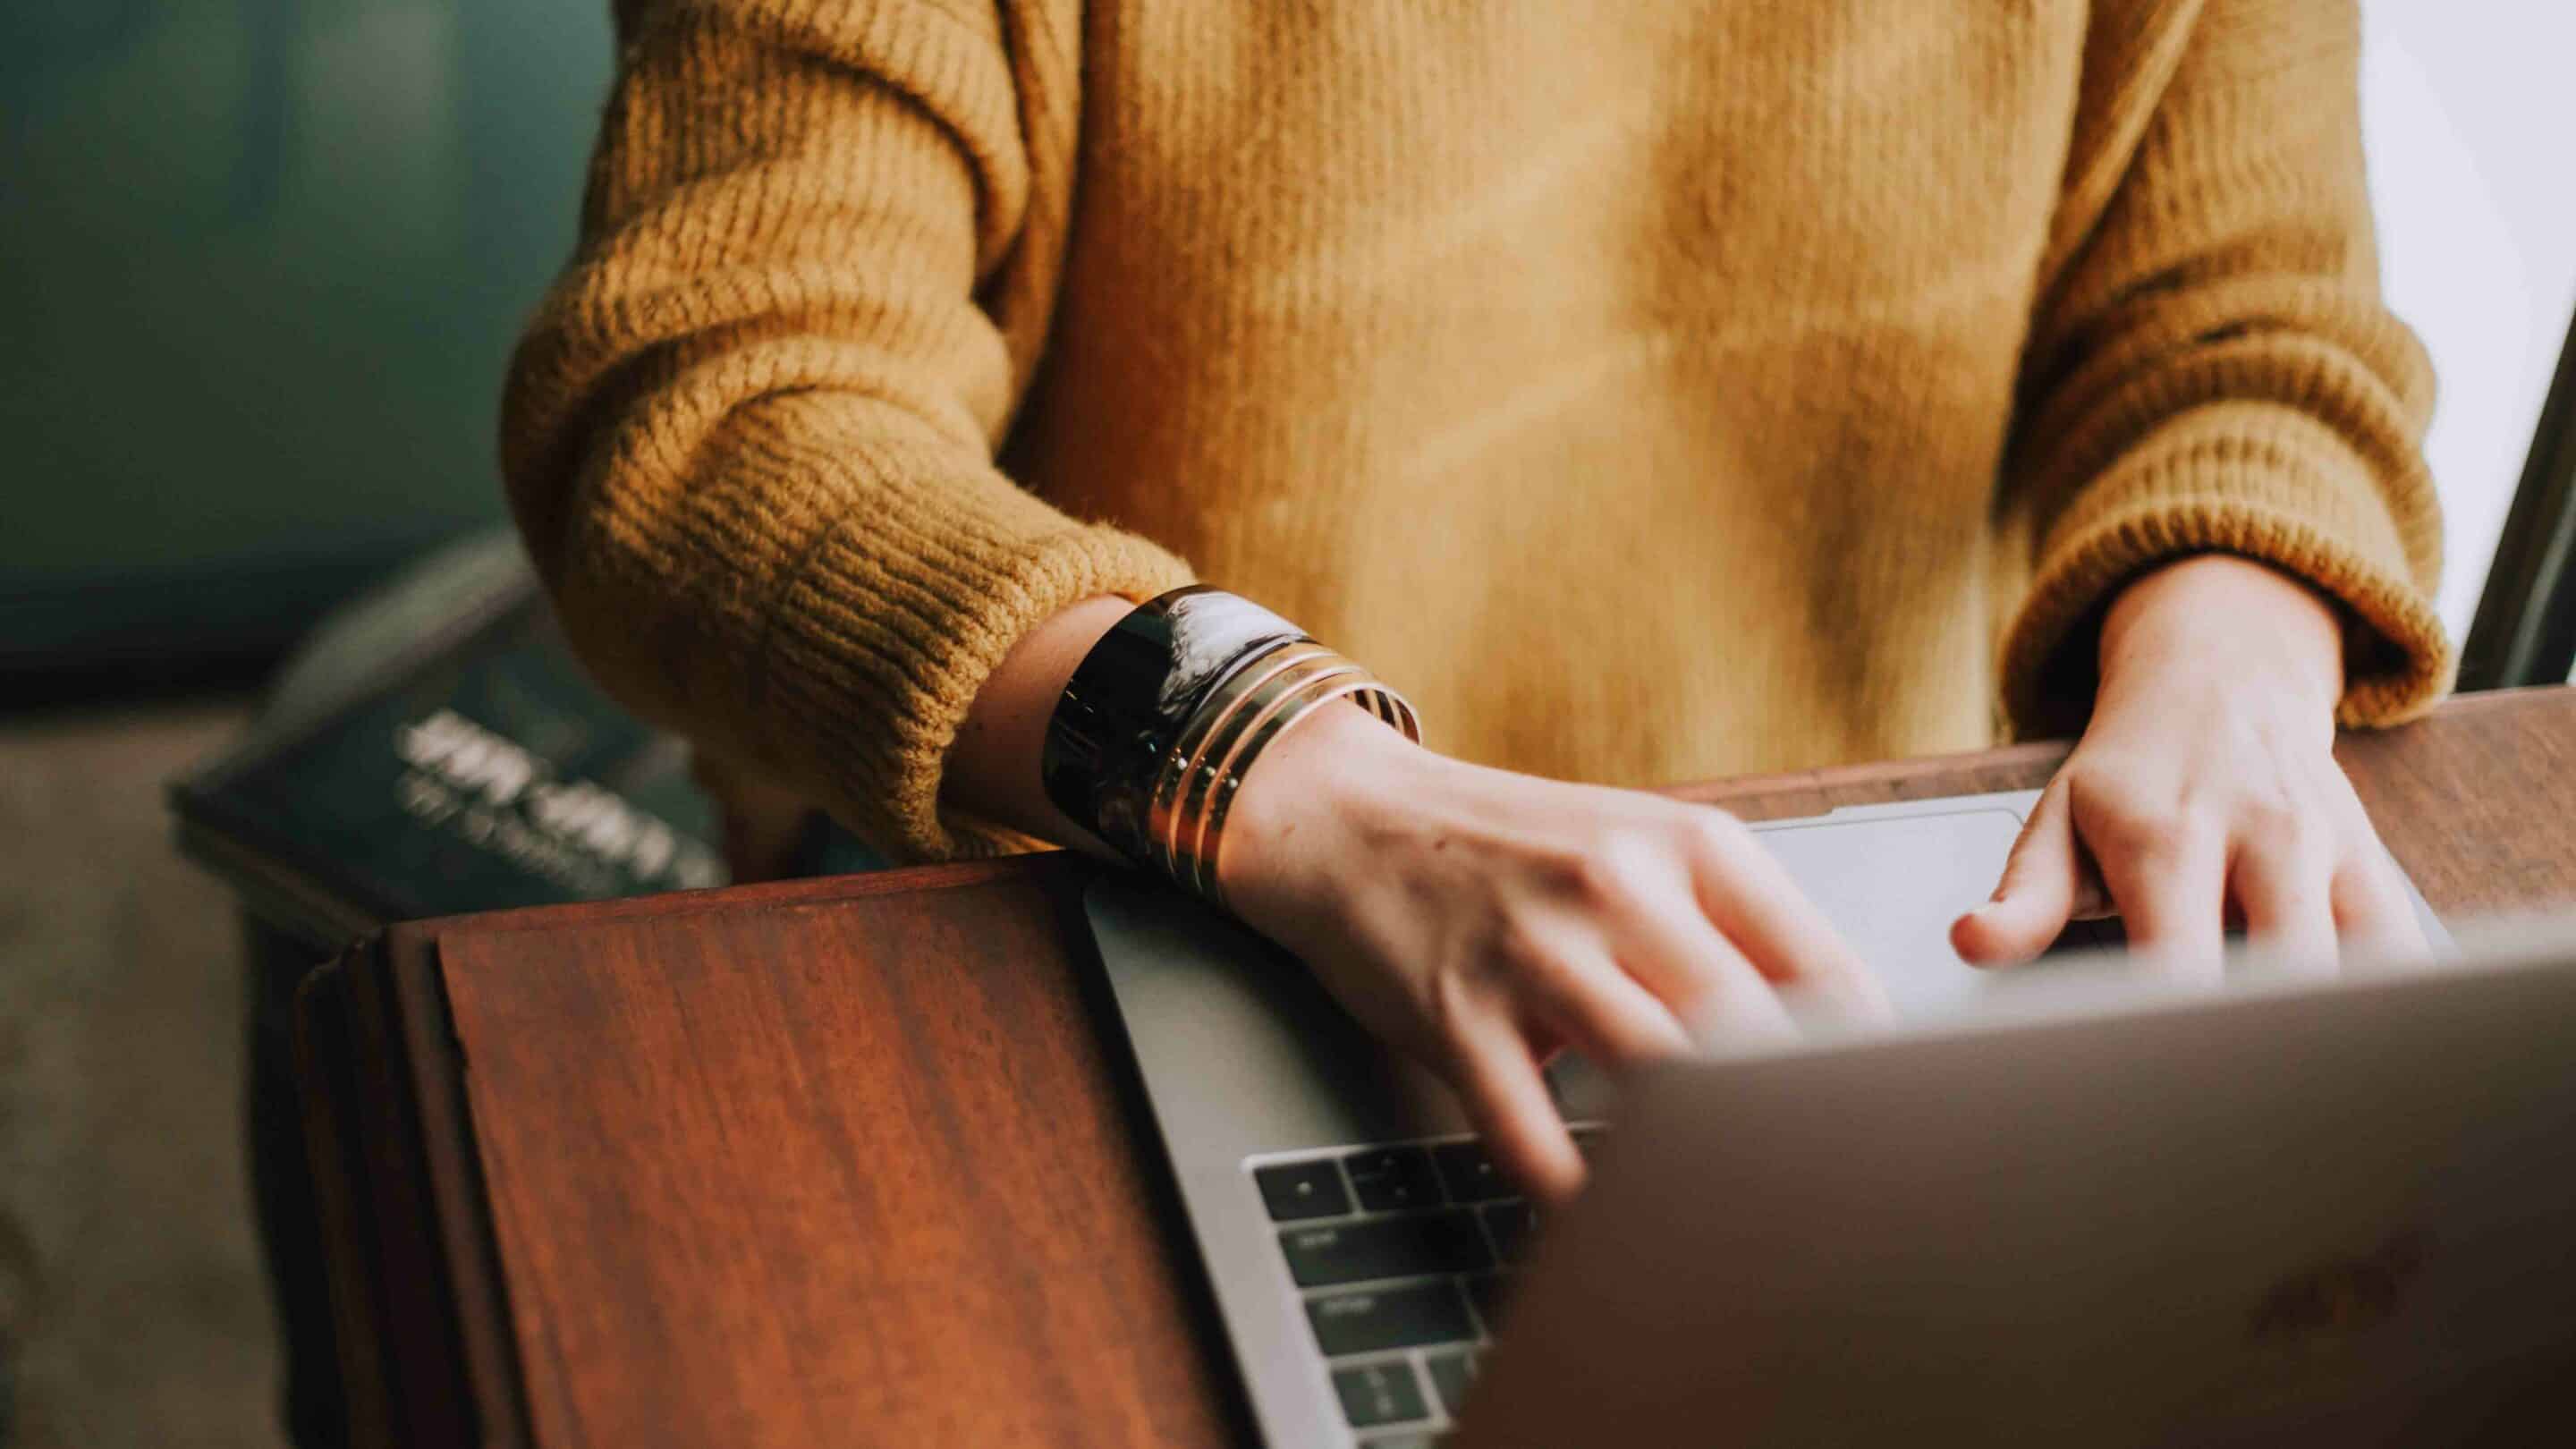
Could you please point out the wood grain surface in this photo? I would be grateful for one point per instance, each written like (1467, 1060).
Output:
(854, 1162)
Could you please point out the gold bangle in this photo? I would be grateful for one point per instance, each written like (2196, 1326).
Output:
(1364, 690)
(1187, 749)
(1235, 712)
(1251, 703)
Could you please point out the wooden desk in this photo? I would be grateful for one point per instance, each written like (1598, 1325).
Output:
(853, 1161)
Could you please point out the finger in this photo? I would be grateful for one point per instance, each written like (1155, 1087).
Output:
(1506, 1097)
(2170, 886)
(1746, 1012)
(1604, 1012)
(2373, 911)
(1675, 952)
(2042, 880)
(1754, 902)
(2286, 894)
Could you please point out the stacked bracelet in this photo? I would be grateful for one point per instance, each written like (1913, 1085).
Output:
(1163, 720)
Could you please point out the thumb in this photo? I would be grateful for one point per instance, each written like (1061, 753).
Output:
(2038, 894)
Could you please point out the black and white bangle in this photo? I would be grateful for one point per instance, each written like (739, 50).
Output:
(1158, 728)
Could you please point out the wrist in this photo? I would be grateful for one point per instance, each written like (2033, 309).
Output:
(1307, 797)
(2218, 619)
(1174, 711)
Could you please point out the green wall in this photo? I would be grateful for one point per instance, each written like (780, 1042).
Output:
(261, 262)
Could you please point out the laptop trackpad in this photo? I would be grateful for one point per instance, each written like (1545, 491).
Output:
(1893, 884)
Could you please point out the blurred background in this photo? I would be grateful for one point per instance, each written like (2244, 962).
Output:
(260, 265)
(261, 262)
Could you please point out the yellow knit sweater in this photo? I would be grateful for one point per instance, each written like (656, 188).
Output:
(1650, 390)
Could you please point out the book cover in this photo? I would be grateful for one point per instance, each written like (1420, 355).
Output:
(437, 751)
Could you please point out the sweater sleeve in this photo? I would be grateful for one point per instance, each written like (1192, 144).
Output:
(2210, 366)
(749, 435)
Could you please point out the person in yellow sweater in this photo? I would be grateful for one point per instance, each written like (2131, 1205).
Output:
(1644, 392)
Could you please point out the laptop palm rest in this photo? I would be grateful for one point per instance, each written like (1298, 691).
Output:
(1260, 1055)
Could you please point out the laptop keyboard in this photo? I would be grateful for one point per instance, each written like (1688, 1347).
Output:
(1403, 1255)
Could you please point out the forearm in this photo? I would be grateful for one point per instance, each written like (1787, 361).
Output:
(749, 436)
(2213, 370)
(992, 769)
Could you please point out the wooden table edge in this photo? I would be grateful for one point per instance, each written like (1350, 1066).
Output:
(421, 1308)
(1758, 796)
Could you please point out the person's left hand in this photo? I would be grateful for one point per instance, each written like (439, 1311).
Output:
(2205, 789)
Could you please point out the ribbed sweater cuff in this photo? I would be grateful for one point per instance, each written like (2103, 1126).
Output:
(2280, 492)
(894, 620)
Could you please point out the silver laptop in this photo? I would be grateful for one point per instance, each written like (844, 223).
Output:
(1975, 1257)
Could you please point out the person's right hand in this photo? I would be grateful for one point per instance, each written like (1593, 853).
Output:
(1480, 919)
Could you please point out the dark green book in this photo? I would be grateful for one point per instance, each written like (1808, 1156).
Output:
(434, 750)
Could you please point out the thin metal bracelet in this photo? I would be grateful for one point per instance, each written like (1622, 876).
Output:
(1243, 714)
(1275, 669)
(1257, 667)
(1371, 694)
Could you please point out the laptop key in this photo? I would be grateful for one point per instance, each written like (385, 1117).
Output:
(1419, 1245)
(1376, 1319)
(1451, 1374)
(1294, 1190)
(1468, 1171)
(1511, 1224)
(1379, 1393)
(1389, 1179)
(1490, 1290)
